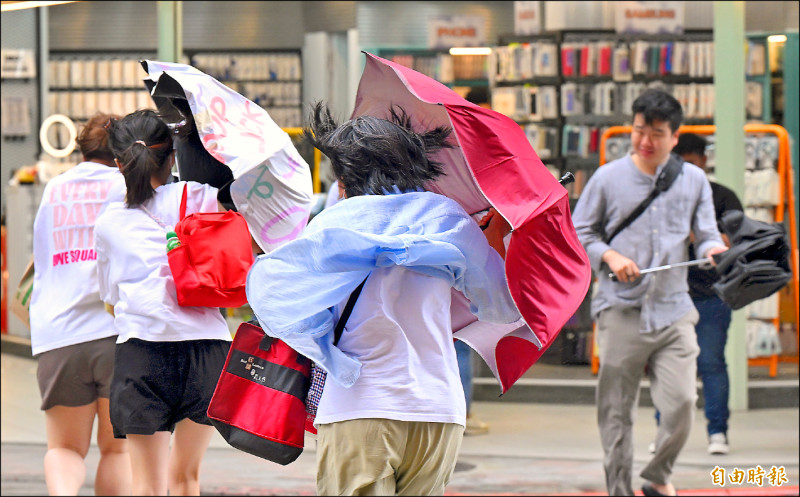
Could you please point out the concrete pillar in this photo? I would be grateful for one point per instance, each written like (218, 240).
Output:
(170, 31)
(729, 118)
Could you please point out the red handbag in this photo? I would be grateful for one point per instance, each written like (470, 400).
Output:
(258, 405)
(211, 263)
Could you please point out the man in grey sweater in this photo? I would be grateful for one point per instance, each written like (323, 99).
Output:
(645, 319)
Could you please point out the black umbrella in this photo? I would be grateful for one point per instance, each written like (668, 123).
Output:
(757, 263)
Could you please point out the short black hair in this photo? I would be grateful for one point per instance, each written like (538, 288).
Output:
(658, 105)
(370, 155)
(690, 143)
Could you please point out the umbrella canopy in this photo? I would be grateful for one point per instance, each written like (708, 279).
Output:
(494, 165)
(757, 263)
(272, 183)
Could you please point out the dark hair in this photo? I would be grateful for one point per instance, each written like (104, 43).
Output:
(658, 105)
(93, 139)
(690, 143)
(373, 155)
(141, 142)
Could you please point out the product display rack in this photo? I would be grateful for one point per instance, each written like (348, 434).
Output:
(273, 79)
(525, 84)
(451, 70)
(82, 83)
(599, 74)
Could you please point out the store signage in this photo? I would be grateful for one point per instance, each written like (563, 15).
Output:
(527, 18)
(649, 17)
(456, 31)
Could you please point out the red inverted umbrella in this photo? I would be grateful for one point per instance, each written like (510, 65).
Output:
(494, 165)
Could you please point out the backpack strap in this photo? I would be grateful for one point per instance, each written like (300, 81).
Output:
(663, 182)
(183, 201)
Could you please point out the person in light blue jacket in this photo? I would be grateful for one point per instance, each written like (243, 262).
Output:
(392, 413)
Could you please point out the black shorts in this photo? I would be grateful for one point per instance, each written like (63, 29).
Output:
(158, 384)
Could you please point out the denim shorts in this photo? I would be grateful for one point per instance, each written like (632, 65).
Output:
(158, 384)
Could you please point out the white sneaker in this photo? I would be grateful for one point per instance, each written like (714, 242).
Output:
(718, 444)
(651, 448)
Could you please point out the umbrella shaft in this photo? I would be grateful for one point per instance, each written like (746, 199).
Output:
(695, 262)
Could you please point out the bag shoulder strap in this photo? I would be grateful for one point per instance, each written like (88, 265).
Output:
(266, 342)
(351, 302)
(663, 182)
(183, 201)
(158, 220)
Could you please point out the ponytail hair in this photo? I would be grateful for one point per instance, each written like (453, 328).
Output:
(141, 143)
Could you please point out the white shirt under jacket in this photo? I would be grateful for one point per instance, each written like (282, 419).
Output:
(135, 277)
(405, 345)
(65, 305)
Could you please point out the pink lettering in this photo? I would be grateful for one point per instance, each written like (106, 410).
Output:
(75, 215)
(91, 191)
(254, 116)
(295, 166)
(59, 215)
(103, 189)
(67, 190)
(60, 239)
(92, 210)
(74, 256)
(217, 107)
(280, 217)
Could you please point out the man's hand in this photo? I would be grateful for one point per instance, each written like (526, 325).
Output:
(715, 250)
(625, 269)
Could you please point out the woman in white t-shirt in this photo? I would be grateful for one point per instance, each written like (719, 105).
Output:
(72, 336)
(168, 357)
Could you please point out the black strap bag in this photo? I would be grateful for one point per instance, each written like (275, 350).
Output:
(671, 171)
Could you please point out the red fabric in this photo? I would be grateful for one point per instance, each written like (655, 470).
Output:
(275, 421)
(547, 269)
(210, 266)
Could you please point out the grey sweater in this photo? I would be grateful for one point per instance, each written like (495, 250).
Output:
(659, 236)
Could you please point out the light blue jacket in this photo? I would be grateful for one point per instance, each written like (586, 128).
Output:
(293, 289)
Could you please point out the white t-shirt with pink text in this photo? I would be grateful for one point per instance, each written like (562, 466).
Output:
(65, 304)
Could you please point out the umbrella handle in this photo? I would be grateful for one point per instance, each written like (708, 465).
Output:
(567, 178)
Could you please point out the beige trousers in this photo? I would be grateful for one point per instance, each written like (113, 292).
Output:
(386, 457)
(671, 355)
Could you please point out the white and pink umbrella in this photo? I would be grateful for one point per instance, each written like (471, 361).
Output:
(272, 186)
